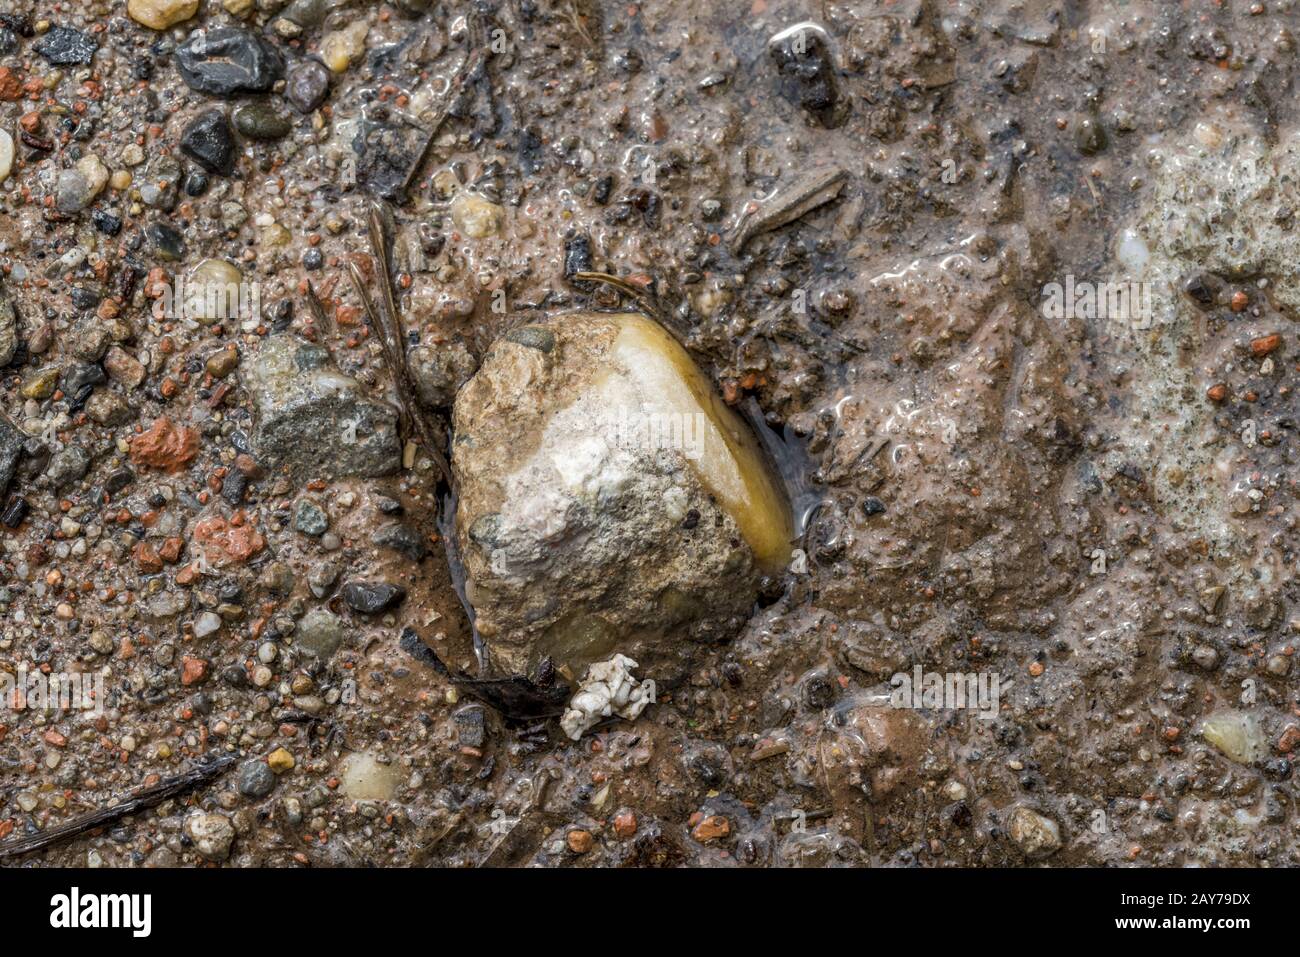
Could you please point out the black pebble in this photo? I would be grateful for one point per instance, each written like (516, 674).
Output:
(233, 487)
(196, 183)
(15, 511)
(83, 298)
(118, 481)
(872, 505)
(64, 46)
(209, 141)
(807, 73)
(402, 538)
(18, 23)
(166, 241)
(226, 61)
(577, 255)
(82, 375)
(106, 222)
(370, 598)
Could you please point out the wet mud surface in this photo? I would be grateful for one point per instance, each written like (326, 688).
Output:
(861, 231)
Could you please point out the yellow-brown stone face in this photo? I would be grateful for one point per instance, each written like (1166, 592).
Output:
(610, 501)
(731, 465)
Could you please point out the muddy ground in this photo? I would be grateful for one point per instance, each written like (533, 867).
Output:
(1099, 512)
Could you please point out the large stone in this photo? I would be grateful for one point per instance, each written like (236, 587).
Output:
(402, 538)
(214, 290)
(228, 61)
(312, 420)
(6, 155)
(609, 500)
(166, 241)
(8, 329)
(11, 449)
(109, 408)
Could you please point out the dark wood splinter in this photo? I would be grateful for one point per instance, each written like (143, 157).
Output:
(386, 319)
(170, 787)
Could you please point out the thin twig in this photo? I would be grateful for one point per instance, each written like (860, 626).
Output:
(575, 19)
(318, 310)
(643, 298)
(473, 60)
(393, 339)
(622, 285)
(801, 198)
(171, 787)
(649, 304)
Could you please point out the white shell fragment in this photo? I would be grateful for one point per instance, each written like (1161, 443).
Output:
(609, 689)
